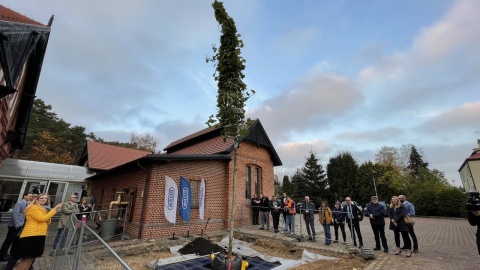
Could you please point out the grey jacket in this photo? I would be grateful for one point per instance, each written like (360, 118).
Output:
(68, 209)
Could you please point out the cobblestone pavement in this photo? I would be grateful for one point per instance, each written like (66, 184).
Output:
(443, 244)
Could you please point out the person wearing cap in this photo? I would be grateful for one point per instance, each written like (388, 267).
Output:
(376, 213)
(69, 208)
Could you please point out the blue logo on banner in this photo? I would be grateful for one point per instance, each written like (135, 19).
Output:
(185, 198)
(201, 198)
(171, 196)
(186, 193)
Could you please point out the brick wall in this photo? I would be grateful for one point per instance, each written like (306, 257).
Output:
(218, 175)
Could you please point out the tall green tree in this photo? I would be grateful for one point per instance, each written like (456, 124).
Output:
(287, 186)
(314, 175)
(232, 92)
(46, 127)
(341, 175)
(300, 185)
(416, 162)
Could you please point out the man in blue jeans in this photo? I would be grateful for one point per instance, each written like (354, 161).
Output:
(15, 225)
(411, 212)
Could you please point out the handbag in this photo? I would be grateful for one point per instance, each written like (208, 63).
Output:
(409, 220)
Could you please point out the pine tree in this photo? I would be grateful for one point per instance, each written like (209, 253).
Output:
(314, 176)
(416, 162)
(287, 186)
(300, 185)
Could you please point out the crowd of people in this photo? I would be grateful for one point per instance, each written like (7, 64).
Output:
(28, 226)
(348, 213)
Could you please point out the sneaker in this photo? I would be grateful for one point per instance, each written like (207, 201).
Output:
(377, 248)
(335, 241)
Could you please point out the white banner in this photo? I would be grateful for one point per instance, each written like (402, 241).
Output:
(171, 197)
(201, 200)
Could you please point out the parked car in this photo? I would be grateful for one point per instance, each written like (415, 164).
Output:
(382, 203)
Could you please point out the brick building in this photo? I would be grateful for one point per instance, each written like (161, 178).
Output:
(201, 155)
(23, 43)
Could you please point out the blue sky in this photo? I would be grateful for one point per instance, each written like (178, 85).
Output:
(330, 76)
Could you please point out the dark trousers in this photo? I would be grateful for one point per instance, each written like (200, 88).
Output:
(411, 231)
(276, 220)
(309, 222)
(255, 217)
(9, 241)
(407, 244)
(379, 233)
(337, 225)
(356, 228)
(478, 238)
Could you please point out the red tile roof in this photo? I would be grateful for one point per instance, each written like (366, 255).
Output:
(211, 146)
(104, 156)
(184, 139)
(9, 15)
(474, 156)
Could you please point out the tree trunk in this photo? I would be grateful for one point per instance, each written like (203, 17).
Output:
(234, 190)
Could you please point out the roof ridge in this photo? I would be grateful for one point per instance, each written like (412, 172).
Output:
(10, 15)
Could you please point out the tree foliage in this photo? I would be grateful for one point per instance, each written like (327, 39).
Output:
(62, 142)
(300, 185)
(416, 162)
(287, 186)
(314, 176)
(232, 92)
(341, 175)
(46, 127)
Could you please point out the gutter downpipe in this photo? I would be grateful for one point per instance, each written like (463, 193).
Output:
(145, 192)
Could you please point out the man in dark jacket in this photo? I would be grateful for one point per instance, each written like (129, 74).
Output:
(474, 220)
(264, 212)
(255, 209)
(376, 213)
(309, 216)
(275, 209)
(354, 215)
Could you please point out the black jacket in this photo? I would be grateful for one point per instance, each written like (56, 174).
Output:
(338, 215)
(356, 213)
(398, 214)
(378, 212)
(264, 204)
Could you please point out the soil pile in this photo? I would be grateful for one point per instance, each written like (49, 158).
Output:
(200, 246)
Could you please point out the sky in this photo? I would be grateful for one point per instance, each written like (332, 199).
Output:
(329, 76)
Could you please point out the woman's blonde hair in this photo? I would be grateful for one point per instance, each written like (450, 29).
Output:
(84, 198)
(35, 201)
(397, 204)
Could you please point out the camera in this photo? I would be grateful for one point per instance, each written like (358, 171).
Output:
(473, 201)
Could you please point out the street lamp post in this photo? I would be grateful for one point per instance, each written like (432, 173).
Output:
(374, 184)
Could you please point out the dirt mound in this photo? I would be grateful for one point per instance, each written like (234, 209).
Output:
(200, 246)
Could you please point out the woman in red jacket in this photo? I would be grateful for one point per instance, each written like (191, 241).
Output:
(32, 239)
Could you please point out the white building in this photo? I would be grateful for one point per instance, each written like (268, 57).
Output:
(470, 170)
